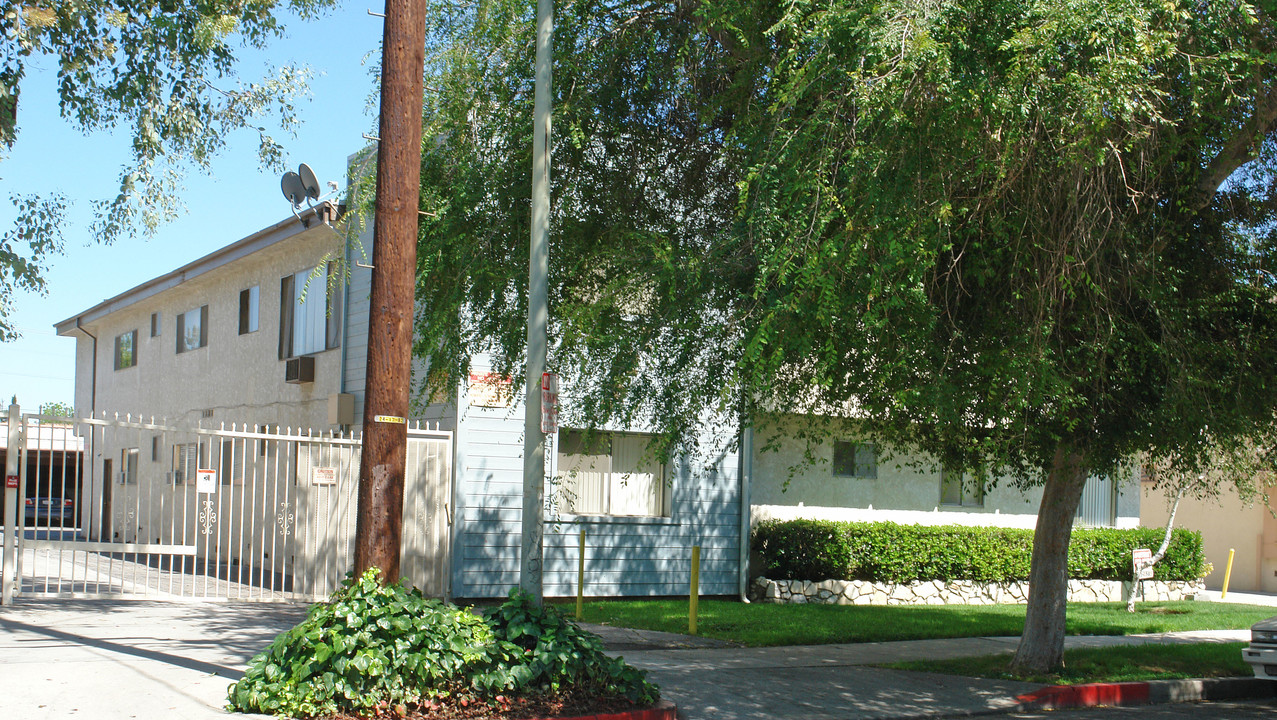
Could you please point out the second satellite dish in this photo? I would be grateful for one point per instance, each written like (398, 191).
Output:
(309, 181)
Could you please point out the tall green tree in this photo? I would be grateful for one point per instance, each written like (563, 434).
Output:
(163, 69)
(1030, 237)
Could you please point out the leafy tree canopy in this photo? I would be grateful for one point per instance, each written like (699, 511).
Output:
(165, 69)
(1030, 236)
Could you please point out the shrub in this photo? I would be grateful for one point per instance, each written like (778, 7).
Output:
(818, 550)
(374, 646)
(550, 653)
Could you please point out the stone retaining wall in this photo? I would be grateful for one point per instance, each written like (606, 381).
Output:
(956, 592)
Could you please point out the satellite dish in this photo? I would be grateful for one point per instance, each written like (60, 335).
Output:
(293, 187)
(309, 181)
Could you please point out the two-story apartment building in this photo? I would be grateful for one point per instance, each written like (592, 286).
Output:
(270, 332)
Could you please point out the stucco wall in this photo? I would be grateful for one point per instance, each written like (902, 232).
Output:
(906, 490)
(239, 378)
(1225, 523)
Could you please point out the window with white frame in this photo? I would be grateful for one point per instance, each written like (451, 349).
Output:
(309, 312)
(852, 459)
(248, 315)
(960, 489)
(126, 350)
(615, 474)
(192, 329)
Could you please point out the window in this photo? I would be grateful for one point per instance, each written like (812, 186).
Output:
(192, 329)
(186, 460)
(309, 312)
(231, 471)
(155, 324)
(248, 298)
(614, 474)
(128, 466)
(155, 448)
(957, 488)
(126, 350)
(858, 460)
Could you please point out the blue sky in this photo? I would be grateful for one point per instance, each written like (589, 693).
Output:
(237, 199)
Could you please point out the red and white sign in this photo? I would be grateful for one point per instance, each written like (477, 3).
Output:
(491, 390)
(549, 402)
(11, 482)
(323, 476)
(205, 481)
(1142, 559)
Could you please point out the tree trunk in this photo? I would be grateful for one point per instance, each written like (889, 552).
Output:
(1042, 642)
(1136, 587)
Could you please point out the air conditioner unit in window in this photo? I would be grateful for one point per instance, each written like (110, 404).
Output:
(299, 370)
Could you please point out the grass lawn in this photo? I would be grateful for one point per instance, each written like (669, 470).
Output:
(1114, 664)
(763, 624)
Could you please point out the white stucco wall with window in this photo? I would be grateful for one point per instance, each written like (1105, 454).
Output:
(836, 484)
(206, 340)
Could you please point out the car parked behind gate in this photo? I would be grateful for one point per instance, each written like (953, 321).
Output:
(50, 511)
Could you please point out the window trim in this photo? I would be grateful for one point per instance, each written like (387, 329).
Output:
(966, 498)
(860, 469)
(288, 306)
(662, 484)
(249, 310)
(185, 468)
(180, 327)
(132, 335)
(129, 460)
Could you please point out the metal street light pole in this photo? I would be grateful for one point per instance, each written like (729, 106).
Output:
(379, 523)
(530, 571)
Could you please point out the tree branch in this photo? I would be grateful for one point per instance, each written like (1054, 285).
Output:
(1240, 149)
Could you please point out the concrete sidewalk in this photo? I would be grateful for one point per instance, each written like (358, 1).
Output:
(104, 660)
(822, 682)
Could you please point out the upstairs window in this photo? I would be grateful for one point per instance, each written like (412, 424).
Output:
(248, 301)
(309, 312)
(614, 474)
(192, 329)
(155, 324)
(126, 350)
(858, 460)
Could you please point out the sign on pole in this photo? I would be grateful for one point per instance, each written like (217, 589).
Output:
(549, 403)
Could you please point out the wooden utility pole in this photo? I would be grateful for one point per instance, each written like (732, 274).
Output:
(379, 525)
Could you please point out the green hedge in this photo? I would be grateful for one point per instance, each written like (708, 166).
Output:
(818, 550)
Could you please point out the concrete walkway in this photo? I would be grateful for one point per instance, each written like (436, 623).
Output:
(103, 660)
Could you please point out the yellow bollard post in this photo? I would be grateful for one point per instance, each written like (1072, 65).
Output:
(1228, 572)
(580, 577)
(695, 593)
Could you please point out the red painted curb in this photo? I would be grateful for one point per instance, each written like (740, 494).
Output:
(1074, 696)
(662, 710)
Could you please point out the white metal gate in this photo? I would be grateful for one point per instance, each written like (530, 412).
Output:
(124, 507)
